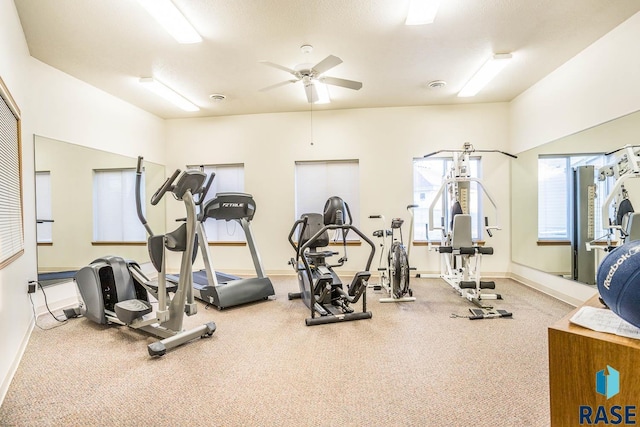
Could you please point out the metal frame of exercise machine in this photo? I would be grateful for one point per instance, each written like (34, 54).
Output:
(457, 247)
(113, 290)
(320, 287)
(394, 278)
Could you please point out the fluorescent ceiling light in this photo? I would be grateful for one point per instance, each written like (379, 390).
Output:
(323, 93)
(167, 15)
(168, 94)
(485, 74)
(422, 12)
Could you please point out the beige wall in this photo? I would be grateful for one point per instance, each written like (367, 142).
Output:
(385, 140)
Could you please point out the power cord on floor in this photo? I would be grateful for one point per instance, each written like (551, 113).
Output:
(46, 303)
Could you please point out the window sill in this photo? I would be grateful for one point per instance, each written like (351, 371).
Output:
(553, 243)
(118, 243)
(438, 243)
(227, 243)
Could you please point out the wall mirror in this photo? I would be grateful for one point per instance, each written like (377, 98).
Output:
(527, 246)
(67, 204)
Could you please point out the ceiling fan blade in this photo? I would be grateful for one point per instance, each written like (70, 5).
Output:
(280, 67)
(312, 94)
(326, 64)
(264, 89)
(349, 84)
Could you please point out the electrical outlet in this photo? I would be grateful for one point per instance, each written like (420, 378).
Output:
(31, 287)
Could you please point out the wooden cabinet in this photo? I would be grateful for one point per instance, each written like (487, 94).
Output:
(576, 354)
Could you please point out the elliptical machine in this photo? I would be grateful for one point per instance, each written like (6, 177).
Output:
(113, 290)
(320, 287)
(395, 277)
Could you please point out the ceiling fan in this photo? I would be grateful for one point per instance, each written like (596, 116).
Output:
(310, 75)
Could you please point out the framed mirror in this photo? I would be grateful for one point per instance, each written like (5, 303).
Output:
(85, 207)
(528, 246)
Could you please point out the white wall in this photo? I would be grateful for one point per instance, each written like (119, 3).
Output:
(56, 105)
(383, 139)
(598, 85)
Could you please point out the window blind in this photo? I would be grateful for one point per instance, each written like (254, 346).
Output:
(11, 229)
(316, 181)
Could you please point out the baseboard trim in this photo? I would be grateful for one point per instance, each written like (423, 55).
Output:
(6, 382)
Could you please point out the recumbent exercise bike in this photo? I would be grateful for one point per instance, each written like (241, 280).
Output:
(320, 287)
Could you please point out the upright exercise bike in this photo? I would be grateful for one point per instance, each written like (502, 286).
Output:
(395, 276)
(320, 287)
(116, 291)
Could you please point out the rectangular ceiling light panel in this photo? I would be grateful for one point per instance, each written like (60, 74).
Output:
(485, 74)
(174, 22)
(422, 12)
(168, 94)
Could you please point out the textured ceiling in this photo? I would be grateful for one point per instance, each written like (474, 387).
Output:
(111, 44)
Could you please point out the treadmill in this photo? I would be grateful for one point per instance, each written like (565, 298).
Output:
(220, 289)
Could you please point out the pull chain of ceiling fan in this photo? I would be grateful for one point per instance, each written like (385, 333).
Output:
(311, 121)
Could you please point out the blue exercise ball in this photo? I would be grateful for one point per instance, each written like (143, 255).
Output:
(619, 281)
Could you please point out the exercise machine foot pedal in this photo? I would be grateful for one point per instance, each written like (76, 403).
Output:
(477, 314)
(129, 310)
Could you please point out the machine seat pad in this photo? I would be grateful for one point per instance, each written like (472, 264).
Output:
(485, 250)
(131, 309)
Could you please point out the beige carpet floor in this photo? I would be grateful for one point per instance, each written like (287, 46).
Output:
(412, 364)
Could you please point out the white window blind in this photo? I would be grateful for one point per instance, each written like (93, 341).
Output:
(316, 182)
(228, 179)
(428, 175)
(11, 229)
(114, 206)
(44, 213)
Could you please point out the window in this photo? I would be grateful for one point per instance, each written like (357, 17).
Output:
(317, 181)
(555, 194)
(44, 215)
(11, 229)
(114, 206)
(428, 175)
(228, 179)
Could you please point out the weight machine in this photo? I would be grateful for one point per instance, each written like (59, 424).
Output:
(618, 215)
(461, 258)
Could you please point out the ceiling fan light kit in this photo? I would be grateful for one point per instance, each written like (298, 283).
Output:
(313, 78)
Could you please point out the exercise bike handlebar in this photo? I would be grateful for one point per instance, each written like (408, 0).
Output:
(143, 220)
(344, 227)
(204, 190)
(158, 195)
